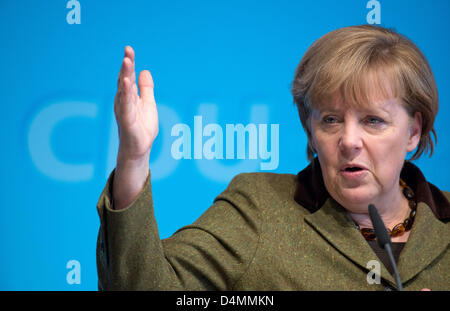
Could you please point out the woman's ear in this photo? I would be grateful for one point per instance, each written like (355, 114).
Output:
(415, 131)
(311, 143)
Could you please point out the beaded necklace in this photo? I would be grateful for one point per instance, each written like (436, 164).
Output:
(399, 229)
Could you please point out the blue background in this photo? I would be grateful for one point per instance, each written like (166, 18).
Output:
(230, 54)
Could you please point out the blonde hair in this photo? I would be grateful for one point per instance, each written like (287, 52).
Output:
(353, 62)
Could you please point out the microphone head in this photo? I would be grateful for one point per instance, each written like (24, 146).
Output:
(383, 237)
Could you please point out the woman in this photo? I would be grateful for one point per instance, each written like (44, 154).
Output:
(366, 97)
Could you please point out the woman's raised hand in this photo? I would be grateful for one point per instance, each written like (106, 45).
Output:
(136, 114)
(137, 121)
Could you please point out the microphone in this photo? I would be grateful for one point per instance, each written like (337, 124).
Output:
(384, 240)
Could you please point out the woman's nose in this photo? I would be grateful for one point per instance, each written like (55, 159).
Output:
(350, 141)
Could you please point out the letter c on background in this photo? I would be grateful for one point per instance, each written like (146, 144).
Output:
(39, 141)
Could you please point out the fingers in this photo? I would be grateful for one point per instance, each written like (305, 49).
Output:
(127, 68)
(129, 53)
(146, 86)
(127, 88)
(126, 71)
(124, 88)
(125, 96)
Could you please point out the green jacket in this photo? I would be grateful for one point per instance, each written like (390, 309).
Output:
(267, 231)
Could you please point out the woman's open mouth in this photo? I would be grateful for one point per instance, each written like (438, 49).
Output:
(353, 171)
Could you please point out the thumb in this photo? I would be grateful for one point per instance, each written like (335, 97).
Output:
(145, 83)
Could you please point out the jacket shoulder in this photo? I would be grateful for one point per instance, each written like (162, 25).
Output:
(264, 184)
(446, 194)
(260, 191)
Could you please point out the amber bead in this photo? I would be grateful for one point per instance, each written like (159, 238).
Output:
(369, 234)
(412, 204)
(397, 230)
(408, 224)
(409, 194)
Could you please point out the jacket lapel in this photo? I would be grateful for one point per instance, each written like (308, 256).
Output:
(429, 237)
(336, 227)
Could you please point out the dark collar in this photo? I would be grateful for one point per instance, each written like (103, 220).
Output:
(311, 192)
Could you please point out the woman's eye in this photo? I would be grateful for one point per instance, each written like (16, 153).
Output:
(329, 120)
(374, 120)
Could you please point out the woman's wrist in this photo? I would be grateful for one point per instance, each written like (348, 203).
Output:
(129, 180)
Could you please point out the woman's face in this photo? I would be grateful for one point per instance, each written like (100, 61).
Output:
(362, 151)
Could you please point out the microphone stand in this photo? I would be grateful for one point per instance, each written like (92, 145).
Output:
(384, 241)
(388, 249)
